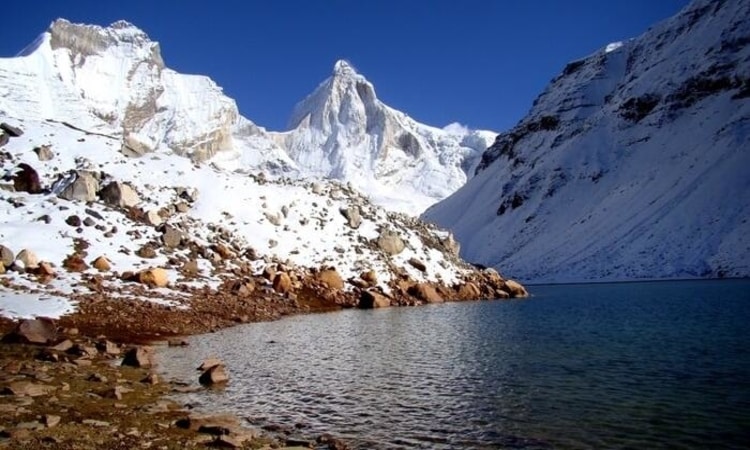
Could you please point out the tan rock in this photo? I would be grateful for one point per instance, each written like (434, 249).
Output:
(282, 283)
(138, 357)
(469, 291)
(28, 389)
(214, 375)
(102, 264)
(155, 277)
(28, 258)
(372, 299)
(209, 363)
(515, 289)
(331, 278)
(33, 331)
(45, 269)
(425, 292)
(370, 277)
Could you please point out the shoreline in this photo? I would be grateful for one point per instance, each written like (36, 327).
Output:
(143, 408)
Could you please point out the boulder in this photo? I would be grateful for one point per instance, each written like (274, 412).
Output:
(119, 194)
(33, 331)
(155, 277)
(390, 242)
(209, 363)
(171, 236)
(190, 268)
(10, 130)
(44, 153)
(74, 221)
(4, 138)
(370, 276)
(425, 292)
(28, 389)
(28, 259)
(515, 289)
(75, 263)
(373, 299)
(6, 256)
(417, 264)
(469, 291)
(153, 218)
(138, 357)
(83, 188)
(331, 278)
(214, 375)
(26, 179)
(102, 264)
(282, 283)
(317, 188)
(353, 218)
(45, 269)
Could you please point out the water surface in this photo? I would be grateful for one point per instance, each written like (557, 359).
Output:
(635, 365)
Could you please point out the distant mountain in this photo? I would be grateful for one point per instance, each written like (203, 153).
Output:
(633, 162)
(343, 131)
(113, 80)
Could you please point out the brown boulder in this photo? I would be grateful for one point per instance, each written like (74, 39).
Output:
(372, 299)
(214, 375)
(425, 292)
(138, 357)
(28, 389)
(417, 264)
(102, 264)
(33, 331)
(515, 289)
(6, 256)
(154, 277)
(75, 263)
(10, 130)
(209, 363)
(26, 179)
(390, 242)
(370, 277)
(331, 278)
(119, 194)
(469, 291)
(282, 283)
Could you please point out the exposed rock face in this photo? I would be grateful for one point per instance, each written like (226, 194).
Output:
(82, 189)
(119, 194)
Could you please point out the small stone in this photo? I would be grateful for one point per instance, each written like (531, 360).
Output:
(102, 264)
(214, 375)
(51, 420)
(95, 423)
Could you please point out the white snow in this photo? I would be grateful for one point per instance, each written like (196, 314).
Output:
(611, 198)
(16, 305)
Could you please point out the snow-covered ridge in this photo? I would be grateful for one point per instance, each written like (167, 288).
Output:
(631, 164)
(113, 80)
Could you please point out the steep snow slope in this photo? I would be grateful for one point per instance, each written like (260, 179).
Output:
(343, 131)
(632, 164)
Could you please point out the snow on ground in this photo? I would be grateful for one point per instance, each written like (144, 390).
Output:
(17, 305)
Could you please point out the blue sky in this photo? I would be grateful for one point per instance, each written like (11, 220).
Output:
(478, 62)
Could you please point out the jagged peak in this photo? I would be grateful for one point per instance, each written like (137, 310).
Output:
(343, 67)
(88, 40)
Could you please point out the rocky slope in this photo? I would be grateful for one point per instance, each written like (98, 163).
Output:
(631, 164)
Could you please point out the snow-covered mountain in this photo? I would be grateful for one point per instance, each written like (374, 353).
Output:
(113, 80)
(633, 162)
(343, 131)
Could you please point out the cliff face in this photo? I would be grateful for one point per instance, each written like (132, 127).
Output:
(629, 165)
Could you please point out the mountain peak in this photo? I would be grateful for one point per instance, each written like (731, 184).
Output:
(89, 40)
(343, 67)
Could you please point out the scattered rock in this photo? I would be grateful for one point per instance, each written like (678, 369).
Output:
(515, 289)
(190, 268)
(6, 256)
(147, 251)
(209, 363)
(151, 378)
(138, 357)
(44, 153)
(282, 283)
(27, 389)
(351, 213)
(417, 264)
(153, 218)
(108, 347)
(370, 277)
(33, 331)
(51, 420)
(102, 264)
(63, 346)
(119, 194)
(317, 188)
(214, 375)
(372, 299)
(10, 130)
(171, 237)
(155, 277)
(26, 179)
(469, 291)
(331, 278)
(390, 242)
(82, 189)
(73, 221)
(28, 258)
(425, 292)
(75, 263)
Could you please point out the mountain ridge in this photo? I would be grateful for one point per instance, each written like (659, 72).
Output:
(608, 176)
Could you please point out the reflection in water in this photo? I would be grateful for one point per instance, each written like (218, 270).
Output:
(653, 365)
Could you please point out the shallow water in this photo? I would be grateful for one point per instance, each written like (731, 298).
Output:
(636, 365)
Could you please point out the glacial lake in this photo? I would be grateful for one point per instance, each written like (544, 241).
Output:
(633, 365)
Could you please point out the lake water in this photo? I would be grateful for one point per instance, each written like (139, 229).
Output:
(636, 365)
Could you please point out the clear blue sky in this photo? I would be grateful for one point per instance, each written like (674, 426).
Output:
(478, 62)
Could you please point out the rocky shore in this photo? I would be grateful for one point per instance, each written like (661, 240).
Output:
(76, 382)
